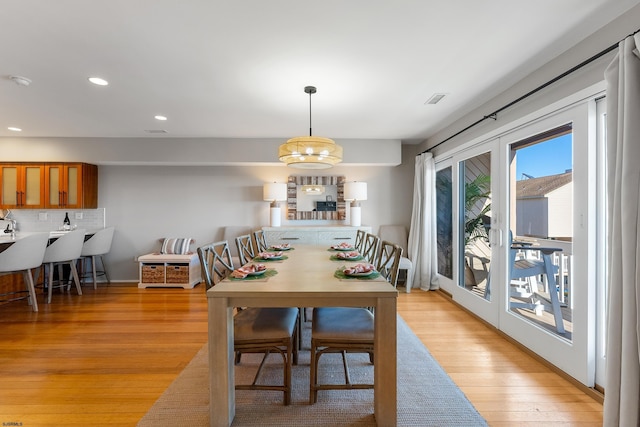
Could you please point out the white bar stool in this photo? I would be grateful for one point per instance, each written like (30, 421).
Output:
(23, 255)
(66, 249)
(97, 245)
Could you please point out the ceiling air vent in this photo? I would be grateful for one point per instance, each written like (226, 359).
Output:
(156, 131)
(435, 98)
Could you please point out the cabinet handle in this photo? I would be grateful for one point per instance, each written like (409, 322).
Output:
(64, 198)
(290, 238)
(60, 201)
(342, 238)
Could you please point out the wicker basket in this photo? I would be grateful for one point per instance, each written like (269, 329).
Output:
(177, 273)
(153, 273)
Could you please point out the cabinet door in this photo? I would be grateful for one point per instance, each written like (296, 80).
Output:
(22, 186)
(55, 186)
(71, 186)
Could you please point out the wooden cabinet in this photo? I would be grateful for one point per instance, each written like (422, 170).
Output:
(312, 235)
(48, 186)
(22, 186)
(71, 186)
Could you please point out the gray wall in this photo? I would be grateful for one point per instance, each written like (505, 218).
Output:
(147, 203)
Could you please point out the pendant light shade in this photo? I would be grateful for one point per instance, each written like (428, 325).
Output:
(310, 152)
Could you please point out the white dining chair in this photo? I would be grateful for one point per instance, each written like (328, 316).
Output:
(66, 249)
(24, 255)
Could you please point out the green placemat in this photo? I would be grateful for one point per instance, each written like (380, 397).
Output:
(258, 259)
(339, 274)
(269, 273)
(280, 250)
(336, 258)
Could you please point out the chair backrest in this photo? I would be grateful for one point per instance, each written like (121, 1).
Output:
(26, 253)
(99, 243)
(246, 252)
(396, 234)
(389, 261)
(67, 247)
(215, 262)
(360, 236)
(370, 248)
(261, 241)
(230, 234)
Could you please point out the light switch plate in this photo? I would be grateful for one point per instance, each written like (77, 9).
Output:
(78, 215)
(42, 216)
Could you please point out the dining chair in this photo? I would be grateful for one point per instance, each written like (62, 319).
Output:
(66, 249)
(389, 260)
(93, 249)
(24, 255)
(347, 330)
(256, 330)
(246, 251)
(230, 233)
(398, 234)
(370, 248)
(360, 236)
(260, 240)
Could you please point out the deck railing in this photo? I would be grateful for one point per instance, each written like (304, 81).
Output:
(563, 259)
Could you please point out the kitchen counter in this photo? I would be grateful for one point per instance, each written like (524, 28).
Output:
(6, 240)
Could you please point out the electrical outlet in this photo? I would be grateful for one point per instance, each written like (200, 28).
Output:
(42, 216)
(78, 215)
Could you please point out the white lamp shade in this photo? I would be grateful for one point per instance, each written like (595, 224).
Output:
(355, 191)
(274, 191)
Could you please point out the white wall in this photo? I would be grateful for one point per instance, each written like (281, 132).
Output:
(581, 79)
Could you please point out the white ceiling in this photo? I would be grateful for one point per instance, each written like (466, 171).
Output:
(237, 69)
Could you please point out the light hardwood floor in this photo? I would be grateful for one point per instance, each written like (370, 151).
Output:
(102, 359)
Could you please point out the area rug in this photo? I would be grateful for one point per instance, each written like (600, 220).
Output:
(426, 394)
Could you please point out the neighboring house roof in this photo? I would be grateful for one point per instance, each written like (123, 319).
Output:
(539, 187)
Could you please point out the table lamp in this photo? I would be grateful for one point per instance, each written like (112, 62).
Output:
(354, 192)
(274, 192)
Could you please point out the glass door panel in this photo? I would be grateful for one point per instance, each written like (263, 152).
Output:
(444, 209)
(543, 196)
(475, 222)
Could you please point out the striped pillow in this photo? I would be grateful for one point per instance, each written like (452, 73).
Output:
(176, 246)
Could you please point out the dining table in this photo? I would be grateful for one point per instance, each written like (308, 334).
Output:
(305, 276)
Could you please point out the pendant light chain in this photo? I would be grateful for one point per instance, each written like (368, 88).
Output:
(310, 134)
(310, 152)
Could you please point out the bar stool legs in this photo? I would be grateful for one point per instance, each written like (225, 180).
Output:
(94, 273)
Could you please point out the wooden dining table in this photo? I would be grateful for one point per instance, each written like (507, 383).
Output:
(305, 277)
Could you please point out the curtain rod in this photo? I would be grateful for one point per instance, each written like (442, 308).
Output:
(528, 94)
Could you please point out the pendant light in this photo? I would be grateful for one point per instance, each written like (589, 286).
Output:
(310, 152)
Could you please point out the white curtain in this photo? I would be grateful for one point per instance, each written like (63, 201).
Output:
(622, 386)
(422, 234)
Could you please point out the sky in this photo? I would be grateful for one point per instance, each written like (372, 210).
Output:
(546, 158)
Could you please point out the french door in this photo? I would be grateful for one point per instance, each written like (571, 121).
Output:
(509, 210)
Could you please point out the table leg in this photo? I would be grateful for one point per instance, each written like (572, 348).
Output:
(385, 359)
(222, 399)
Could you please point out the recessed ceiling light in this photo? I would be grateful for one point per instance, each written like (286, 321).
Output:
(14, 129)
(98, 81)
(162, 118)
